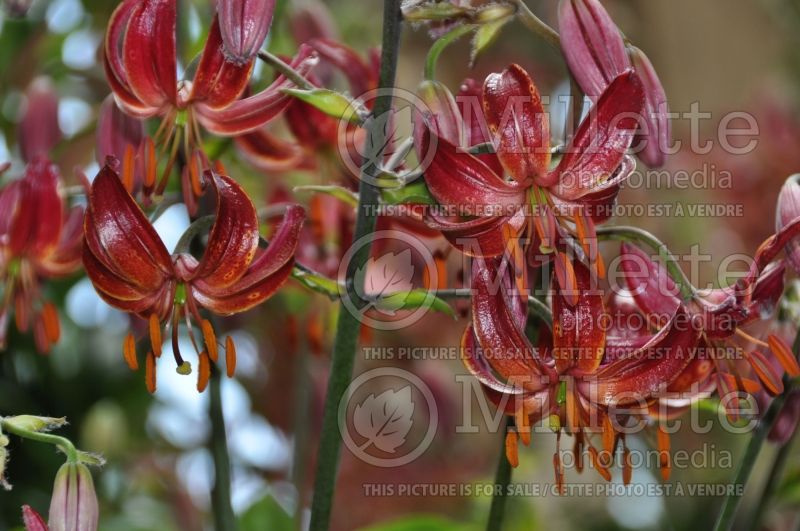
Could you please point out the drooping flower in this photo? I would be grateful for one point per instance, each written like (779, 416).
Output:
(553, 212)
(736, 356)
(39, 237)
(73, 505)
(571, 377)
(133, 271)
(141, 67)
(122, 136)
(596, 55)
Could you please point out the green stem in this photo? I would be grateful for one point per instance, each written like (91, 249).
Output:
(537, 25)
(637, 235)
(224, 519)
(731, 504)
(348, 326)
(62, 443)
(771, 484)
(439, 46)
(502, 480)
(288, 72)
(301, 414)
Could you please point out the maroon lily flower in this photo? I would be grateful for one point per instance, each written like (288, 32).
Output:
(39, 239)
(732, 354)
(596, 55)
(571, 377)
(554, 210)
(133, 271)
(141, 67)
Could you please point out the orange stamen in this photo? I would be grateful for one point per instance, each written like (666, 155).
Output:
(129, 352)
(558, 468)
(127, 168)
(663, 453)
(609, 435)
(155, 335)
(523, 423)
(598, 465)
(52, 326)
(627, 466)
(512, 453)
(194, 174)
(784, 354)
(203, 371)
(150, 164)
(150, 372)
(230, 357)
(771, 381)
(210, 339)
(577, 450)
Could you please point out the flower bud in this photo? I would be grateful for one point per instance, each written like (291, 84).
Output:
(244, 25)
(592, 45)
(32, 520)
(73, 506)
(3, 459)
(654, 140)
(38, 128)
(441, 114)
(117, 132)
(33, 423)
(787, 210)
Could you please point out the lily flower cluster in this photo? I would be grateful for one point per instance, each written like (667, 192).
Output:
(504, 202)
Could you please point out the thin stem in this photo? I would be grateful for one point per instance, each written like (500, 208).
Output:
(224, 519)
(502, 480)
(348, 325)
(288, 72)
(771, 484)
(301, 414)
(637, 235)
(731, 504)
(439, 46)
(62, 443)
(537, 25)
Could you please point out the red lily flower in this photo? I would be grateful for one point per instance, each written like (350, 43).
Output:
(141, 67)
(133, 271)
(487, 213)
(571, 377)
(39, 240)
(731, 354)
(318, 136)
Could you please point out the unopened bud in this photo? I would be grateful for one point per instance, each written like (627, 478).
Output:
(73, 506)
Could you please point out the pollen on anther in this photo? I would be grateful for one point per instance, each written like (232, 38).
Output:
(129, 352)
(230, 357)
(155, 335)
(203, 371)
(210, 339)
(512, 452)
(150, 372)
(52, 326)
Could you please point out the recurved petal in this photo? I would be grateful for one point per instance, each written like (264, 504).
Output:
(360, 75)
(502, 341)
(242, 300)
(519, 126)
(65, 257)
(459, 180)
(149, 52)
(655, 292)
(592, 45)
(218, 81)
(475, 237)
(268, 152)
(244, 25)
(442, 116)
(645, 372)
(251, 113)
(598, 148)
(272, 261)
(121, 237)
(470, 105)
(788, 209)
(233, 240)
(579, 329)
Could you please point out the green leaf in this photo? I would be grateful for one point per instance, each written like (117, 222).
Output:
(415, 193)
(411, 300)
(339, 192)
(317, 283)
(330, 102)
(484, 36)
(265, 514)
